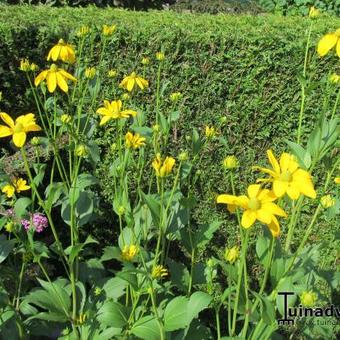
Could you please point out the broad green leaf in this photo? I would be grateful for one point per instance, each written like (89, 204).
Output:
(147, 328)
(110, 253)
(154, 206)
(6, 246)
(112, 314)
(20, 206)
(115, 287)
(197, 302)
(175, 314)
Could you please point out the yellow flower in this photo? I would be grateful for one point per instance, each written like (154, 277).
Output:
(134, 141)
(129, 252)
(112, 73)
(329, 41)
(108, 30)
(145, 61)
(65, 118)
(159, 272)
(9, 227)
(62, 51)
(258, 205)
(133, 80)
(327, 201)
(19, 128)
(230, 162)
(113, 111)
(175, 96)
(83, 31)
(337, 180)
(17, 185)
(25, 65)
(160, 56)
(90, 72)
(314, 12)
(334, 78)
(54, 76)
(232, 254)
(287, 177)
(164, 168)
(309, 298)
(210, 132)
(81, 150)
(81, 319)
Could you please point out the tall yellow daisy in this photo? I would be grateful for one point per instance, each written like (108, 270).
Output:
(17, 185)
(328, 41)
(62, 51)
(132, 81)
(287, 177)
(113, 110)
(163, 168)
(134, 141)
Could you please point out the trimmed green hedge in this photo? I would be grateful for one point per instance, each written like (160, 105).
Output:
(243, 68)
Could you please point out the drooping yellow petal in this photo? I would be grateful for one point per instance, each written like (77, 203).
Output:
(264, 216)
(55, 52)
(40, 77)
(280, 188)
(274, 209)
(62, 82)
(274, 227)
(273, 161)
(293, 192)
(19, 139)
(67, 75)
(7, 119)
(226, 199)
(248, 218)
(326, 43)
(266, 171)
(104, 120)
(130, 84)
(51, 80)
(338, 48)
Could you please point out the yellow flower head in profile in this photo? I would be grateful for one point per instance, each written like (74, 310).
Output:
(145, 61)
(134, 141)
(175, 96)
(163, 168)
(129, 252)
(83, 31)
(81, 150)
(113, 110)
(287, 177)
(314, 12)
(19, 128)
(17, 185)
(108, 30)
(308, 298)
(327, 201)
(132, 81)
(210, 131)
(125, 96)
(232, 254)
(258, 205)
(160, 56)
(34, 67)
(337, 180)
(65, 118)
(25, 65)
(54, 76)
(334, 78)
(230, 162)
(90, 72)
(62, 51)
(111, 73)
(328, 41)
(159, 272)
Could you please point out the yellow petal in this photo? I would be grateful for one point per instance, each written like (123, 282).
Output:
(338, 48)
(264, 216)
(274, 209)
(273, 161)
(67, 75)
(7, 119)
(274, 227)
(242, 201)
(9, 190)
(285, 161)
(19, 139)
(32, 128)
(55, 52)
(293, 192)
(326, 43)
(248, 218)
(104, 120)
(62, 82)
(253, 190)
(280, 188)
(40, 77)
(265, 170)
(51, 80)
(5, 131)
(226, 199)
(266, 196)
(130, 84)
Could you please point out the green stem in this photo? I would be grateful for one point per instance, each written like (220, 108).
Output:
(21, 275)
(336, 104)
(218, 326)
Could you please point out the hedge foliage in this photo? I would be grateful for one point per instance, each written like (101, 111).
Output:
(242, 68)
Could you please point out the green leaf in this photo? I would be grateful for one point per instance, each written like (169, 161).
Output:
(110, 253)
(179, 275)
(303, 156)
(73, 251)
(197, 302)
(147, 328)
(20, 206)
(153, 205)
(175, 314)
(6, 246)
(115, 287)
(112, 314)
(205, 233)
(262, 249)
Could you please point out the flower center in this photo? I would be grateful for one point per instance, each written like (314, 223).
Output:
(286, 176)
(18, 128)
(254, 204)
(54, 68)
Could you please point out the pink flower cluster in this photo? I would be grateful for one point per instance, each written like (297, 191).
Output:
(38, 221)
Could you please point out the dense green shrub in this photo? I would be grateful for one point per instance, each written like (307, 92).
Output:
(242, 69)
